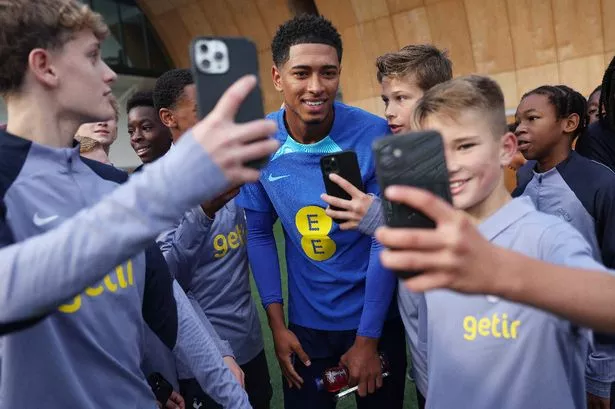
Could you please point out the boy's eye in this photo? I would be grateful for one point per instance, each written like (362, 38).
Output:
(466, 146)
(300, 74)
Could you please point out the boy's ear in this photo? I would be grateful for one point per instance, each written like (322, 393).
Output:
(167, 118)
(508, 148)
(571, 123)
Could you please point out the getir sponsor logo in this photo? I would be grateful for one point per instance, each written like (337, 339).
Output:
(496, 326)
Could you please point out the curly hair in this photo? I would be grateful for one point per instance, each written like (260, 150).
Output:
(304, 29)
(170, 87)
(143, 98)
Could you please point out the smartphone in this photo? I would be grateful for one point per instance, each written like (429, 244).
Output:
(412, 159)
(217, 62)
(346, 165)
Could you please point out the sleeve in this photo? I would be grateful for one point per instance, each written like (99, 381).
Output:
(123, 223)
(171, 316)
(379, 287)
(183, 245)
(567, 247)
(263, 256)
(605, 223)
(254, 197)
(373, 219)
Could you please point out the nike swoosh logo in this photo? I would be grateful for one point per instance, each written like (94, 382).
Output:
(274, 178)
(41, 221)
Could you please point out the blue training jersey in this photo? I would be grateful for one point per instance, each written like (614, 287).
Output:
(326, 266)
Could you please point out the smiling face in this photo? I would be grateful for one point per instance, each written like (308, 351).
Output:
(308, 80)
(149, 138)
(475, 159)
(400, 96)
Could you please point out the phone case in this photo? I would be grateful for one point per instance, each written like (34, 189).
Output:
(414, 159)
(346, 165)
(217, 62)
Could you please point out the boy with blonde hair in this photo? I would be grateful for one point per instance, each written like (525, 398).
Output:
(484, 352)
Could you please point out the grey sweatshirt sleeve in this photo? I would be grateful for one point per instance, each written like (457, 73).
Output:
(373, 219)
(223, 346)
(119, 226)
(197, 351)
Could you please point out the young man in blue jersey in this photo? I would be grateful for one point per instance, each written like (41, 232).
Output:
(207, 253)
(53, 72)
(404, 76)
(527, 357)
(339, 295)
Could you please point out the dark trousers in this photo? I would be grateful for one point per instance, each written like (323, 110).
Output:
(325, 349)
(420, 399)
(258, 387)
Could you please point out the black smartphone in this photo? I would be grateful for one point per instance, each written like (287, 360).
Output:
(217, 62)
(161, 387)
(413, 159)
(346, 165)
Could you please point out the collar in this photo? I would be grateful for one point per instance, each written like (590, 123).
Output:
(506, 216)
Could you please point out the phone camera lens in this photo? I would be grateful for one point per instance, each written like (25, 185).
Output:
(218, 56)
(397, 153)
(206, 64)
(204, 48)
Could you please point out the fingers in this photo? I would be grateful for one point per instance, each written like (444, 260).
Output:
(415, 239)
(254, 130)
(424, 201)
(336, 201)
(428, 281)
(229, 103)
(409, 260)
(256, 150)
(297, 349)
(344, 184)
(290, 373)
(339, 214)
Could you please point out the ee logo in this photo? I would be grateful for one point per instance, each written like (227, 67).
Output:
(314, 226)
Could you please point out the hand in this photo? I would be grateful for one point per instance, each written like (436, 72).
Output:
(454, 255)
(210, 208)
(231, 145)
(353, 210)
(596, 402)
(176, 401)
(287, 346)
(364, 366)
(235, 369)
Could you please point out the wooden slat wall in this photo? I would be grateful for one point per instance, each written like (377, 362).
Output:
(519, 43)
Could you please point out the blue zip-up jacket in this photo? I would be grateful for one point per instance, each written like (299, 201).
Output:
(581, 192)
(86, 352)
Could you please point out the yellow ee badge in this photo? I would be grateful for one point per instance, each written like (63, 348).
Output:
(314, 226)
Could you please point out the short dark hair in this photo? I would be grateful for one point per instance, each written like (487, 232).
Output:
(143, 98)
(597, 89)
(304, 29)
(425, 63)
(170, 87)
(566, 102)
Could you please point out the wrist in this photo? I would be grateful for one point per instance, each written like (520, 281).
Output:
(366, 342)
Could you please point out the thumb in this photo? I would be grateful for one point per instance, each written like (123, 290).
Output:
(297, 349)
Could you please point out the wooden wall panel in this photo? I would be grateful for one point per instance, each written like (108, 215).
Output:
(530, 78)
(490, 34)
(608, 28)
(369, 10)
(340, 12)
(531, 26)
(583, 74)
(412, 27)
(578, 28)
(519, 43)
(449, 30)
(248, 20)
(396, 6)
